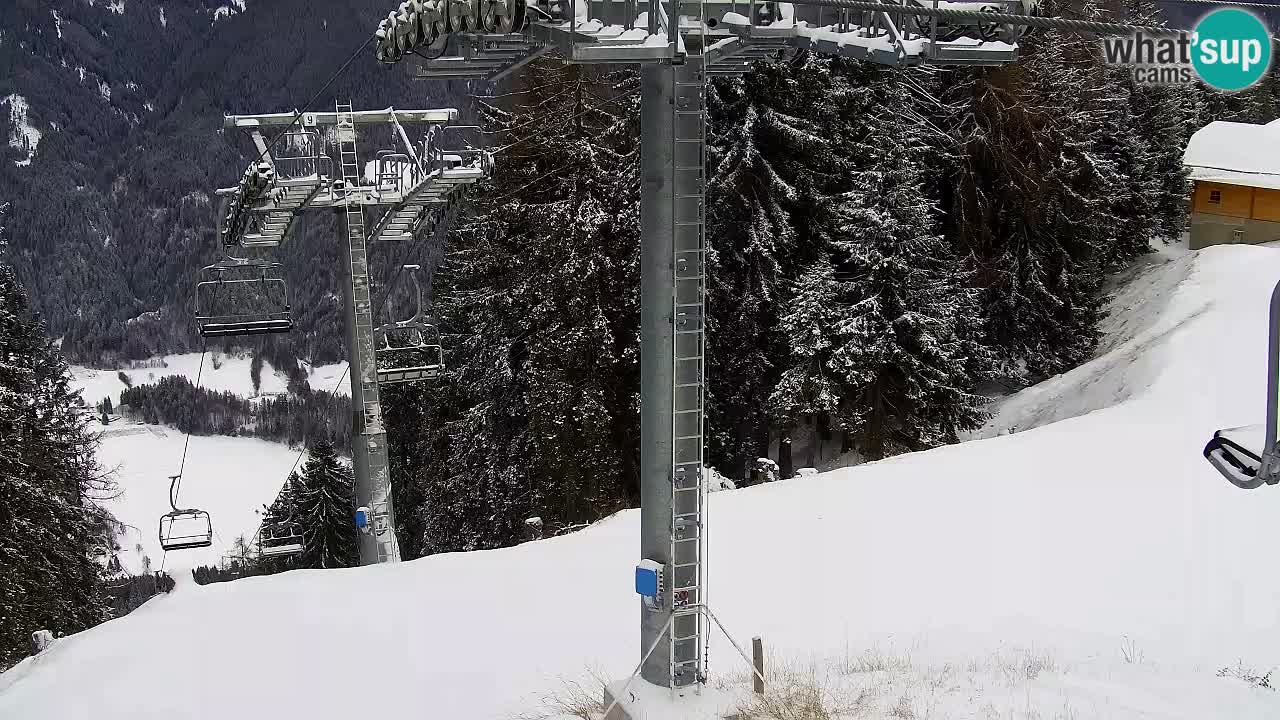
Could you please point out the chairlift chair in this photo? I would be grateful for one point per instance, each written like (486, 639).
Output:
(986, 31)
(414, 341)
(240, 296)
(183, 529)
(1249, 457)
(279, 536)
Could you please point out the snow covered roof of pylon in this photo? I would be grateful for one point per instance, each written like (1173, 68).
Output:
(1235, 154)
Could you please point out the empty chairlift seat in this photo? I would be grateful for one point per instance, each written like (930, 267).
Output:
(279, 536)
(1249, 457)
(409, 350)
(239, 297)
(185, 529)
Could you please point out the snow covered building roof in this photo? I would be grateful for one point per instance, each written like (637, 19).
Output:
(1235, 153)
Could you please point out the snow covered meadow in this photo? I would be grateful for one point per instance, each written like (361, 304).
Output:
(1088, 565)
(220, 373)
(231, 478)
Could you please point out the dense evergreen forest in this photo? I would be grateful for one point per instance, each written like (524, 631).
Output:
(886, 249)
(115, 212)
(55, 541)
(295, 418)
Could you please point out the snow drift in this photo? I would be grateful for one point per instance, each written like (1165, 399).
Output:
(1103, 541)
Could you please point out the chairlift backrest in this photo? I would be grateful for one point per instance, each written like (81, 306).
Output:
(301, 155)
(395, 172)
(185, 529)
(239, 296)
(415, 342)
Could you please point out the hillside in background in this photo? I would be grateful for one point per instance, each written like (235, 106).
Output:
(112, 115)
(1094, 567)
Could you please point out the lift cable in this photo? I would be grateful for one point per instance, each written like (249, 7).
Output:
(297, 114)
(186, 441)
(175, 484)
(557, 126)
(1045, 23)
(1228, 3)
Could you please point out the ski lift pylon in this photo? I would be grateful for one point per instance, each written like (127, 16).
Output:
(415, 341)
(183, 529)
(242, 296)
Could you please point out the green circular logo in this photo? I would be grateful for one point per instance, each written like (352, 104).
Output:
(1231, 49)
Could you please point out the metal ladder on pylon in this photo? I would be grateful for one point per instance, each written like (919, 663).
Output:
(372, 434)
(688, 486)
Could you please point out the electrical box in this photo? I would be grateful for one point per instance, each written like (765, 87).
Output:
(649, 580)
(362, 519)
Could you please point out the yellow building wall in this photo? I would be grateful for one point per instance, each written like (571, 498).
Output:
(1266, 205)
(1235, 200)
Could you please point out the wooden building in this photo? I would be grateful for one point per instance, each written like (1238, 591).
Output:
(1235, 169)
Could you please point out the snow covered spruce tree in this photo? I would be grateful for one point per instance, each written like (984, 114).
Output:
(1027, 199)
(766, 149)
(323, 496)
(55, 543)
(538, 303)
(879, 324)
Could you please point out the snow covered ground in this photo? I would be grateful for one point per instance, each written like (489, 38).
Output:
(220, 373)
(230, 478)
(1091, 566)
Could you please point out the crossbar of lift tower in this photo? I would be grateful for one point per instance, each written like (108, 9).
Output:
(442, 116)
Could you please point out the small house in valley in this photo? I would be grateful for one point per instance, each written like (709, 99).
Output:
(1235, 171)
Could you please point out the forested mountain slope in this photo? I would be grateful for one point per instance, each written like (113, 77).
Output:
(112, 112)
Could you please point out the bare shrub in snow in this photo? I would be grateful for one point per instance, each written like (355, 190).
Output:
(1249, 675)
(1130, 651)
(1025, 664)
(573, 699)
(804, 693)
(875, 660)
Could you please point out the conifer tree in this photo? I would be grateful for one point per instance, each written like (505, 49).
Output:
(540, 304)
(1029, 198)
(878, 348)
(323, 495)
(55, 543)
(766, 152)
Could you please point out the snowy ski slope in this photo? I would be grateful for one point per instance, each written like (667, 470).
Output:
(231, 374)
(1099, 541)
(230, 478)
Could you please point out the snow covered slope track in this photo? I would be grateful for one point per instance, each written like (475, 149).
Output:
(1086, 568)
